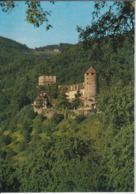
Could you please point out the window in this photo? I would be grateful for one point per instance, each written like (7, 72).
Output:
(87, 74)
(92, 73)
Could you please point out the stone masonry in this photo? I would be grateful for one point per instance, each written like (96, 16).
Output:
(87, 89)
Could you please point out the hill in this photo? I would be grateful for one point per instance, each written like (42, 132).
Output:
(6, 43)
(60, 47)
(11, 46)
(19, 69)
(62, 154)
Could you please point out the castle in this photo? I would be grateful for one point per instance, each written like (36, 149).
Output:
(87, 89)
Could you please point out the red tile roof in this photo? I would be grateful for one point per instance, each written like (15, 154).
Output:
(90, 70)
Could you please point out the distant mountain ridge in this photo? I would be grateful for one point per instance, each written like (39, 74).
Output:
(8, 44)
(60, 47)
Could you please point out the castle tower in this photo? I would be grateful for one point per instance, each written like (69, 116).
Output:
(46, 80)
(90, 82)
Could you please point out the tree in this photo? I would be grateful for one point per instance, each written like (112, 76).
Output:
(75, 166)
(115, 138)
(118, 20)
(110, 23)
(76, 102)
(115, 148)
(57, 118)
(117, 104)
(94, 155)
(62, 101)
(34, 173)
(34, 15)
(52, 91)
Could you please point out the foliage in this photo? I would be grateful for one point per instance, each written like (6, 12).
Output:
(77, 101)
(63, 154)
(118, 20)
(60, 47)
(62, 102)
(117, 155)
(35, 14)
(117, 104)
(80, 118)
(52, 91)
(56, 118)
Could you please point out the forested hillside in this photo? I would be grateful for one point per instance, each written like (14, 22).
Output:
(63, 154)
(60, 47)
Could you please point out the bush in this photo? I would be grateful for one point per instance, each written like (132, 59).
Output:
(80, 118)
(56, 118)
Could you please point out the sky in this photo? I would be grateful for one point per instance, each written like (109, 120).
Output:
(65, 17)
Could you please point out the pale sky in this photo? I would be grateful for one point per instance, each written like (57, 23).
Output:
(65, 17)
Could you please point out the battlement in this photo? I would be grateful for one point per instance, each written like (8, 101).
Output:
(73, 87)
(87, 91)
(46, 80)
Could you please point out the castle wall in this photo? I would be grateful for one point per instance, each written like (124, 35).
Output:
(82, 91)
(71, 94)
(46, 80)
(72, 90)
(87, 89)
(75, 87)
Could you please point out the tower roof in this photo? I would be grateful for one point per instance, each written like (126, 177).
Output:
(91, 70)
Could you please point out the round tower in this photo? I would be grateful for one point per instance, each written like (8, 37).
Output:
(90, 82)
